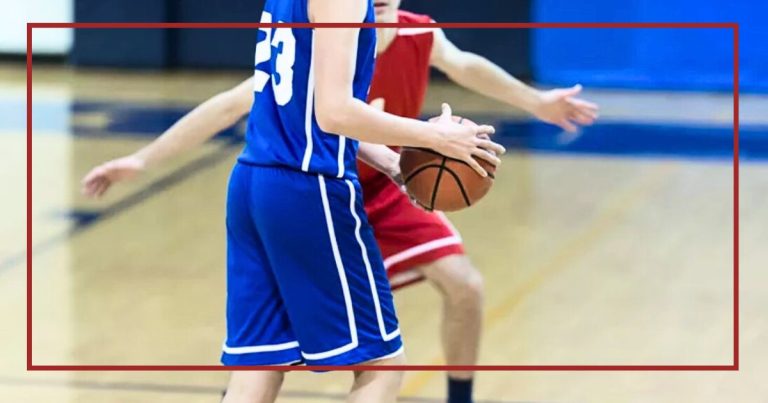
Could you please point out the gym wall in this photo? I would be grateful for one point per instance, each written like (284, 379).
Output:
(233, 49)
(699, 59)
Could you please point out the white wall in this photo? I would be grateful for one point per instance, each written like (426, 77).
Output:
(13, 25)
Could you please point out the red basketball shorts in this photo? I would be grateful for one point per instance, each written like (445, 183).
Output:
(408, 236)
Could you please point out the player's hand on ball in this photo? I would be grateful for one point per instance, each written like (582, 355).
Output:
(464, 142)
(560, 107)
(99, 179)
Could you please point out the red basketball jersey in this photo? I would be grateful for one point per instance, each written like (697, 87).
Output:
(401, 77)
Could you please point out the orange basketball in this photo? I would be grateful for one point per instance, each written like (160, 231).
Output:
(438, 182)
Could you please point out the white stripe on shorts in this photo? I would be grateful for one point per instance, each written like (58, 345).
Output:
(344, 285)
(399, 279)
(390, 355)
(265, 348)
(364, 251)
(419, 249)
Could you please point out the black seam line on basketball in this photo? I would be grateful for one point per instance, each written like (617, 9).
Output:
(437, 184)
(418, 171)
(422, 205)
(433, 152)
(461, 185)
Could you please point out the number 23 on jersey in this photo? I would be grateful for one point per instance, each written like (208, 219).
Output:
(282, 43)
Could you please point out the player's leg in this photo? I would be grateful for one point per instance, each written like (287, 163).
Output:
(377, 386)
(331, 274)
(461, 287)
(253, 387)
(418, 244)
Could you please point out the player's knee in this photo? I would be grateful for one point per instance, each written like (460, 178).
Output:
(392, 379)
(467, 289)
(387, 383)
(458, 280)
(472, 286)
(397, 382)
(249, 387)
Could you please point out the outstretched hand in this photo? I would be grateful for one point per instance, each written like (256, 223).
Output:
(100, 178)
(561, 107)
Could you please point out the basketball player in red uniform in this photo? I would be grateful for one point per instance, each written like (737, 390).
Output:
(415, 244)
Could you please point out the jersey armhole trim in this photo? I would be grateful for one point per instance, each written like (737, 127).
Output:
(310, 109)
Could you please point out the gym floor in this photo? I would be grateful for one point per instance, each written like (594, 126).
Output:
(614, 246)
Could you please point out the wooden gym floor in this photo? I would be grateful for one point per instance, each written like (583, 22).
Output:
(590, 257)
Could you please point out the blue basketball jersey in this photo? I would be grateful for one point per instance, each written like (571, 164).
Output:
(282, 129)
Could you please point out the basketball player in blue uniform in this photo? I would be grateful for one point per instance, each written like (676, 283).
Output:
(305, 279)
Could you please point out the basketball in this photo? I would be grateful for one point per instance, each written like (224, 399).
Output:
(437, 182)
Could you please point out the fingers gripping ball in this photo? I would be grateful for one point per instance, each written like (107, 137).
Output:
(437, 182)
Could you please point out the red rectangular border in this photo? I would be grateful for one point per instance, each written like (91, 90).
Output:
(734, 366)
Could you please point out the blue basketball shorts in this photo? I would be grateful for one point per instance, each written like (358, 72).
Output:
(305, 278)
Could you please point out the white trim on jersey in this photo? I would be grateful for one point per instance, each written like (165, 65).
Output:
(405, 277)
(419, 249)
(340, 159)
(415, 31)
(309, 108)
(266, 348)
(364, 251)
(448, 224)
(344, 285)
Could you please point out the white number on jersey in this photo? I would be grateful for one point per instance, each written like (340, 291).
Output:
(282, 79)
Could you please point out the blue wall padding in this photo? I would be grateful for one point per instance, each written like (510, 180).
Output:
(687, 59)
(215, 48)
(223, 48)
(145, 48)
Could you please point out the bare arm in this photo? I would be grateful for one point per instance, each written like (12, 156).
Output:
(480, 75)
(378, 156)
(483, 76)
(381, 158)
(202, 123)
(212, 116)
(337, 111)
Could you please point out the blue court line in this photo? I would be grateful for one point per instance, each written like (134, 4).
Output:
(622, 139)
(626, 140)
(637, 140)
(20, 257)
(84, 219)
(196, 389)
(87, 217)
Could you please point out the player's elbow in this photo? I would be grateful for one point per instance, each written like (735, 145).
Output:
(331, 115)
(236, 104)
(230, 114)
(460, 67)
(223, 109)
